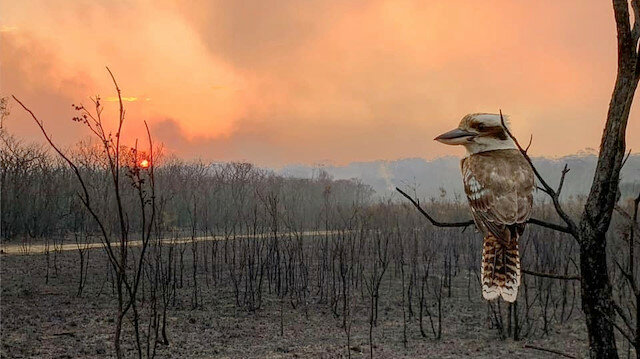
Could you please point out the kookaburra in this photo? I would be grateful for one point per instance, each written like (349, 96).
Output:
(499, 184)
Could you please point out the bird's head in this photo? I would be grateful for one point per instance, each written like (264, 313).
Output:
(479, 132)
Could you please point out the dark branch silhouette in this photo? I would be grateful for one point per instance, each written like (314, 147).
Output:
(465, 224)
(551, 275)
(557, 352)
(470, 222)
(571, 227)
(431, 219)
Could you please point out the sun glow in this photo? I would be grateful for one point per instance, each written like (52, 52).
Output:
(126, 99)
(144, 164)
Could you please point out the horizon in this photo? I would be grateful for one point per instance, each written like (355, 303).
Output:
(587, 151)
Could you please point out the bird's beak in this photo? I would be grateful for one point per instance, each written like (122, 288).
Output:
(455, 137)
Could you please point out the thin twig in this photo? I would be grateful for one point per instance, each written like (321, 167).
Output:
(529, 145)
(565, 170)
(557, 352)
(627, 336)
(629, 277)
(551, 275)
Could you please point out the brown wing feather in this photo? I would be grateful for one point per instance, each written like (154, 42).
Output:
(499, 186)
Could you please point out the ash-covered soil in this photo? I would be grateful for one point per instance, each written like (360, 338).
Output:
(48, 320)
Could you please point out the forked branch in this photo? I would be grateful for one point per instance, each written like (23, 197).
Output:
(571, 227)
(433, 221)
(465, 224)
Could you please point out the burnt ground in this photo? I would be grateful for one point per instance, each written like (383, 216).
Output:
(41, 320)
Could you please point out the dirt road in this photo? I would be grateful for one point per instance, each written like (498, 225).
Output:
(41, 248)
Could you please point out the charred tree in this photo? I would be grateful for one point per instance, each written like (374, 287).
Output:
(597, 302)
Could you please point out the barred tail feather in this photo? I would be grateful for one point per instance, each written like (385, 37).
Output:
(500, 270)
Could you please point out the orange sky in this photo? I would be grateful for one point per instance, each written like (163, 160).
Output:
(289, 81)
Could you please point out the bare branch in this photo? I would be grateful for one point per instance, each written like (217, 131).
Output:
(629, 277)
(433, 221)
(571, 226)
(565, 170)
(555, 227)
(635, 31)
(626, 322)
(626, 45)
(627, 336)
(84, 198)
(529, 145)
(529, 346)
(627, 216)
(467, 223)
(551, 275)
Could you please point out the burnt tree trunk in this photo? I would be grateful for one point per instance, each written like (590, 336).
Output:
(597, 302)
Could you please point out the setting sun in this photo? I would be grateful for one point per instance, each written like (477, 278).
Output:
(144, 164)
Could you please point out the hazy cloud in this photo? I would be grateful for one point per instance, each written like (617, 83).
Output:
(322, 80)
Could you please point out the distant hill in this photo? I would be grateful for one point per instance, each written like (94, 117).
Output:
(430, 177)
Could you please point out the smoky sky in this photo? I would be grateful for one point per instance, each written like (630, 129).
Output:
(315, 81)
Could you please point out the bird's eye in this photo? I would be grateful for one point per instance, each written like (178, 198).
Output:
(480, 127)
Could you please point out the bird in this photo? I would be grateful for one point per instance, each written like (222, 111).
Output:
(498, 183)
